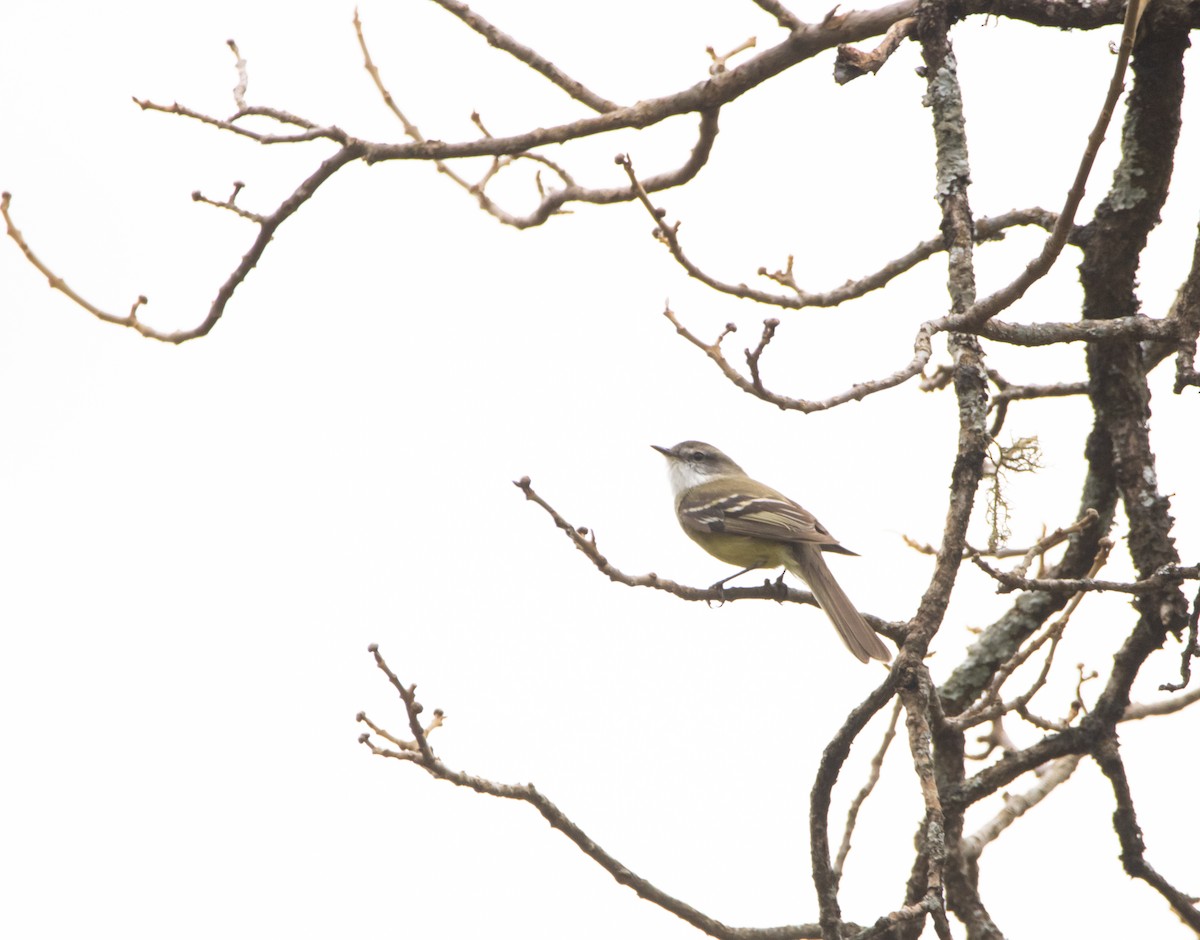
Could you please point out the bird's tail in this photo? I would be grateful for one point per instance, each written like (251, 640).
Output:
(858, 636)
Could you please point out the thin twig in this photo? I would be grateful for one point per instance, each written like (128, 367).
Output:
(1057, 537)
(990, 707)
(423, 757)
(523, 53)
(267, 227)
(243, 82)
(799, 298)
(825, 879)
(783, 16)
(1056, 773)
(719, 59)
(889, 735)
(230, 204)
(1171, 574)
(922, 350)
(1135, 711)
(852, 63)
(994, 303)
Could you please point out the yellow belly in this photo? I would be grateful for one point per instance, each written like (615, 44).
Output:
(743, 551)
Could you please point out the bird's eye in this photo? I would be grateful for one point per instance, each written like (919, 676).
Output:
(699, 455)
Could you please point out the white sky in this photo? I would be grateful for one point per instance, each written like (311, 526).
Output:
(200, 542)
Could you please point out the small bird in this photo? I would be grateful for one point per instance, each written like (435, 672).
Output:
(746, 523)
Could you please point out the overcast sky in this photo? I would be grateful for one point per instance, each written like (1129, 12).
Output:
(199, 542)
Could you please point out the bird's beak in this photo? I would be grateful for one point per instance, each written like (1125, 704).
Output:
(665, 451)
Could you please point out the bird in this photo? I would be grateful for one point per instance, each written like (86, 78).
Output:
(746, 523)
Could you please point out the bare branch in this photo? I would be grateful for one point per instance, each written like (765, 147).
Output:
(410, 746)
(421, 755)
(1186, 309)
(1171, 574)
(1040, 266)
(988, 229)
(718, 90)
(522, 53)
(804, 42)
(922, 350)
(310, 131)
(239, 90)
(410, 128)
(704, 98)
(1055, 774)
(267, 227)
(1191, 650)
(996, 737)
(1133, 848)
(832, 758)
(783, 16)
(990, 707)
(1072, 740)
(1079, 331)
(943, 96)
(719, 59)
(1136, 711)
(917, 697)
(1034, 334)
(776, 590)
(412, 708)
(1057, 537)
(56, 282)
(230, 204)
(924, 548)
(873, 778)
(852, 63)
(1008, 393)
(1027, 392)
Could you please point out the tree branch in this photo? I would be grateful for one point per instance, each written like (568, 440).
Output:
(1055, 774)
(1040, 266)
(522, 53)
(1171, 574)
(825, 878)
(423, 757)
(267, 227)
(585, 540)
(1133, 847)
(867, 788)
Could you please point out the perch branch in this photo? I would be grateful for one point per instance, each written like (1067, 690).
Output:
(585, 541)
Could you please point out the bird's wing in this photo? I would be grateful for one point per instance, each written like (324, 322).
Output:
(757, 512)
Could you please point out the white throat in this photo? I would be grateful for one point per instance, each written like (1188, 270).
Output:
(684, 476)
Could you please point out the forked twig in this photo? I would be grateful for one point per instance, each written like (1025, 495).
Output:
(419, 753)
